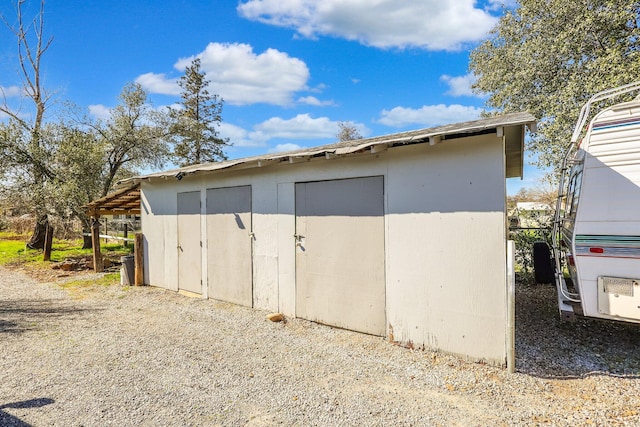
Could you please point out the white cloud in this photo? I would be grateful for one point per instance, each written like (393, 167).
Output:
(499, 4)
(99, 111)
(169, 107)
(159, 83)
(460, 85)
(10, 91)
(240, 137)
(428, 115)
(321, 87)
(425, 24)
(242, 77)
(312, 100)
(300, 127)
(285, 147)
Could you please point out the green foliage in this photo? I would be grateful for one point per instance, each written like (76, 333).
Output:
(79, 161)
(549, 56)
(86, 157)
(132, 137)
(525, 238)
(24, 148)
(56, 167)
(194, 125)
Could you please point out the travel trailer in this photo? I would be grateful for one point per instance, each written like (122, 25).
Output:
(595, 258)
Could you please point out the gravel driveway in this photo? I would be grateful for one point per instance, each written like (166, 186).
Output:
(128, 356)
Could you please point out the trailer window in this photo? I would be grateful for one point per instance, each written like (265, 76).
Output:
(574, 192)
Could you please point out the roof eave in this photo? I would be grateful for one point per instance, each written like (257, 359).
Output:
(377, 144)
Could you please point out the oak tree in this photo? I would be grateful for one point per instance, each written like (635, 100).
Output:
(549, 57)
(98, 153)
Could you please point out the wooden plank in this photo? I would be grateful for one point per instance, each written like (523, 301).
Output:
(124, 201)
(98, 265)
(138, 249)
(48, 242)
(102, 212)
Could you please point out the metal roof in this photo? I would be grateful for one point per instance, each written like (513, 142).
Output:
(431, 135)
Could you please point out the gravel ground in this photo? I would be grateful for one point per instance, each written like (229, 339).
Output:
(124, 356)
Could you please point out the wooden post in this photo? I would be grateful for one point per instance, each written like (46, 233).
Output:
(126, 232)
(48, 241)
(138, 249)
(98, 265)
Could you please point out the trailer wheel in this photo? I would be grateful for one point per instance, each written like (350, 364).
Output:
(542, 264)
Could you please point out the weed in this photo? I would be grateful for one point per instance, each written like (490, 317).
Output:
(106, 280)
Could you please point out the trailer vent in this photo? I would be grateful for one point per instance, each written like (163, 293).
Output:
(618, 286)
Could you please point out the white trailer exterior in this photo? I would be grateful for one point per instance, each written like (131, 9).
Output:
(598, 217)
(402, 236)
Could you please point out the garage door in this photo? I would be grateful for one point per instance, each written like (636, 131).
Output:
(340, 253)
(230, 243)
(189, 248)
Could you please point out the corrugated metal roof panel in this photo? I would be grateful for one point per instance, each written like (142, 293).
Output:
(358, 145)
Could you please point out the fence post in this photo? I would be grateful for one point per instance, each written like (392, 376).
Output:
(511, 308)
(138, 248)
(48, 241)
(98, 265)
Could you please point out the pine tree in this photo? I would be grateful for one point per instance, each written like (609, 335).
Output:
(195, 122)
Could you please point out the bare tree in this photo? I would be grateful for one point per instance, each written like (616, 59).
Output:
(347, 132)
(56, 167)
(25, 149)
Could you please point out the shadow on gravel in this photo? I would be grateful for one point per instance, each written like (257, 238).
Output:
(19, 316)
(548, 347)
(9, 420)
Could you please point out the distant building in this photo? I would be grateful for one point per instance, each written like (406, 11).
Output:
(532, 214)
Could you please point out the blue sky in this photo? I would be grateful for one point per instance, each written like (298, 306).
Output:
(288, 70)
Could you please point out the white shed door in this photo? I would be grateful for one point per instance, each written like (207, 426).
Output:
(189, 247)
(230, 243)
(340, 253)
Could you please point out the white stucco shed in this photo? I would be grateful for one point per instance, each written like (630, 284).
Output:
(402, 236)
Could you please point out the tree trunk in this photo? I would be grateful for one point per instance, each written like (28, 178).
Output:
(87, 242)
(39, 233)
(48, 242)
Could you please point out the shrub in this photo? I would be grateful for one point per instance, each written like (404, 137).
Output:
(525, 237)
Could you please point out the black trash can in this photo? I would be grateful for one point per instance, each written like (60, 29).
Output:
(127, 271)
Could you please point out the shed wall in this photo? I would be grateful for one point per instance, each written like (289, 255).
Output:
(445, 255)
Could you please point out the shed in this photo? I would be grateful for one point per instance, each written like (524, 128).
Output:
(402, 236)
